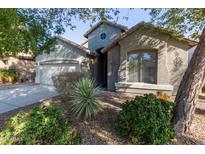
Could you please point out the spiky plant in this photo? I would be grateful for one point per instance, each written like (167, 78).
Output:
(85, 99)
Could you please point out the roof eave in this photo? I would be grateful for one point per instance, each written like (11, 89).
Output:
(123, 28)
(191, 43)
(74, 44)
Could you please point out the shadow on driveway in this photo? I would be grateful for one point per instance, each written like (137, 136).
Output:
(14, 98)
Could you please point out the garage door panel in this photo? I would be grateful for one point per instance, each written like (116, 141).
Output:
(47, 71)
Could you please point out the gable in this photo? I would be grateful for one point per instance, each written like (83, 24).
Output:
(155, 32)
(108, 23)
(68, 50)
(95, 40)
(150, 39)
(63, 50)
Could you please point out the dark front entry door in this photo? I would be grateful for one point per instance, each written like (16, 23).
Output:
(101, 68)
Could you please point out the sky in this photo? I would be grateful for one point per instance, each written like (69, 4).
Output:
(135, 16)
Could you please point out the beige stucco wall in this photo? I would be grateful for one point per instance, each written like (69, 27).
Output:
(63, 51)
(177, 63)
(142, 91)
(26, 67)
(59, 61)
(112, 67)
(94, 40)
(168, 51)
(145, 39)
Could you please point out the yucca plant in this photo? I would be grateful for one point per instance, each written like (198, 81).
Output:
(85, 98)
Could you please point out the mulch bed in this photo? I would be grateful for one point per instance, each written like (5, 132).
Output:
(97, 131)
(101, 129)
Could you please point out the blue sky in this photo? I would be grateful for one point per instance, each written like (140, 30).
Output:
(135, 16)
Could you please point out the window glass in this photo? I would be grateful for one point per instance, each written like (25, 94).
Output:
(142, 66)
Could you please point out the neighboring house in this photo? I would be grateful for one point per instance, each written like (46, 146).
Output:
(24, 63)
(142, 59)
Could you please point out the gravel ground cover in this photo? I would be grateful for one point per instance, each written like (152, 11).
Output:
(101, 129)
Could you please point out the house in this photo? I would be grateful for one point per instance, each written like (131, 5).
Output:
(142, 59)
(24, 63)
(67, 57)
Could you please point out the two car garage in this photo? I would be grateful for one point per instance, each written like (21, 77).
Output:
(67, 57)
(47, 70)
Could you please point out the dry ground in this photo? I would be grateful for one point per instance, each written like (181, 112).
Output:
(197, 129)
(101, 129)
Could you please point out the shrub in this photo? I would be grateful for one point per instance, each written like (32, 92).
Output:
(9, 75)
(85, 102)
(146, 120)
(163, 96)
(64, 81)
(42, 125)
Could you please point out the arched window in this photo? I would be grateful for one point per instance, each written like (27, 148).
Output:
(142, 66)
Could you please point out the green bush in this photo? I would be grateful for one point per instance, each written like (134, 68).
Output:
(146, 120)
(42, 125)
(85, 99)
(9, 75)
(65, 80)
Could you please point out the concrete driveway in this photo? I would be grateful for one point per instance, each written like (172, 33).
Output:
(14, 98)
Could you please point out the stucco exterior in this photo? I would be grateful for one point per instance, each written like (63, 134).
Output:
(65, 58)
(94, 40)
(172, 60)
(113, 67)
(177, 63)
(96, 43)
(25, 66)
(110, 67)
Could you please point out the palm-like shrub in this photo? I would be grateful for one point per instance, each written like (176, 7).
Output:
(85, 98)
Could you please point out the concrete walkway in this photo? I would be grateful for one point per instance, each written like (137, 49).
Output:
(14, 98)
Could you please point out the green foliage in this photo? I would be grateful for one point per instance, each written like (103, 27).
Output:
(31, 30)
(185, 21)
(85, 100)
(42, 125)
(9, 75)
(146, 120)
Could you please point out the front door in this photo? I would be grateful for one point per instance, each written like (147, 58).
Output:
(101, 68)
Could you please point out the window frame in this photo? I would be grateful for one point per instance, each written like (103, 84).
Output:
(141, 51)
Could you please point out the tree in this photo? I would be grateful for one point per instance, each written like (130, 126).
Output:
(185, 21)
(32, 30)
(190, 87)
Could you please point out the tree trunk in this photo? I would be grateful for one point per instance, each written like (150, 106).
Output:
(190, 88)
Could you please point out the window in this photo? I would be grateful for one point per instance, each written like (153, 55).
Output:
(142, 66)
(103, 36)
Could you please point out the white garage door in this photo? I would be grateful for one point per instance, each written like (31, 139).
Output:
(47, 71)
